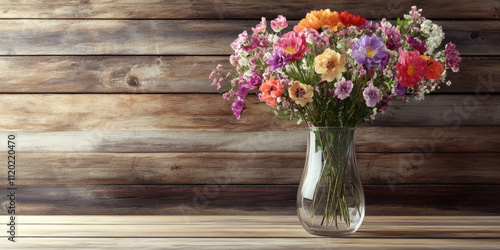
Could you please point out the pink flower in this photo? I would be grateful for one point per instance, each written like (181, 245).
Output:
(453, 58)
(343, 88)
(257, 41)
(292, 43)
(261, 27)
(411, 68)
(242, 38)
(371, 95)
(279, 23)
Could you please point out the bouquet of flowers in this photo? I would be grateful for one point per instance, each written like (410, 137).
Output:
(337, 70)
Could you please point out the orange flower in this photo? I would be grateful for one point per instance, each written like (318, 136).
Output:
(435, 68)
(316, 19)
(271, 90)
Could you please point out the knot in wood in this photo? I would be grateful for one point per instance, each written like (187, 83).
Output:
(133, 81)
(474, 35)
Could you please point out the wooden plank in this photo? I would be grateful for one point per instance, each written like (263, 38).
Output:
(245, 242)
(426, 140)
(171, 74)
(477, 75)
(178, 37)
(66, 112)
(108, 74)
(449, 110)
(246, 168)
(429, 168)
(225, 9)
(245, 200)
(208, 220)
(432, 200)
(272, 227)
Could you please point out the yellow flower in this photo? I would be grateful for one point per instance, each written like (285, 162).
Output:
(301, 93)
(330, 65)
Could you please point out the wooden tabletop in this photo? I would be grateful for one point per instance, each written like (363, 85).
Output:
(248, 232)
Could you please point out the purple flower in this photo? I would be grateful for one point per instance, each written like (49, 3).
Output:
(369, 50)
(253, 82)
(278, 59)
(238, 106)
(369, 27)
(399, 91)
(242, 92)
(416, 44)
(384, 62)
(343, 88)
(371, 95)
(452, 57)
(393, 36)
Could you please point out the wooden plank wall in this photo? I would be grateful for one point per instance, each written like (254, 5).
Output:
(113, 113)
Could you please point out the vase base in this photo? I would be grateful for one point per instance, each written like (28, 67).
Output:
(333, 234)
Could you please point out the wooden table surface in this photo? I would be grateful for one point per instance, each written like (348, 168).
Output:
(248, 232)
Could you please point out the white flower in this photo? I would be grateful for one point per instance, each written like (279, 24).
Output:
(243, 62)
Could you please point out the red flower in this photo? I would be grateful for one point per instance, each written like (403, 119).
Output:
(349, 19)
(411, 68)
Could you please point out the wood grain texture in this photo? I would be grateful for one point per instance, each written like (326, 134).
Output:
(245, 200)
(247, 168)
(179, 37)
(395, 227)
(172, 74)
(253, 243)
(156, 112)
(226, 9)
(419, 140)
(108, 74)
(255, 232)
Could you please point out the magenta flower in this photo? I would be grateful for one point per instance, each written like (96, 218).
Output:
(416, 44)
(278, 59)
(371, 95)
(258, 41)
(238, 106)
(369, 50)
(261, 27)
(279, 23)
(393, 36)
(253, 82)
(343, 88)
(453, 58)
(242, 92)
(293, 44)
(384, 104)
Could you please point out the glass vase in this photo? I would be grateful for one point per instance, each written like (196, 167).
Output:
(330, 199)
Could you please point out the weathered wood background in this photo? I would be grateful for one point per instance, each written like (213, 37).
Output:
(113, 113)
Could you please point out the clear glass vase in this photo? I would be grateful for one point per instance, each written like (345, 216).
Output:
(330, 199)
